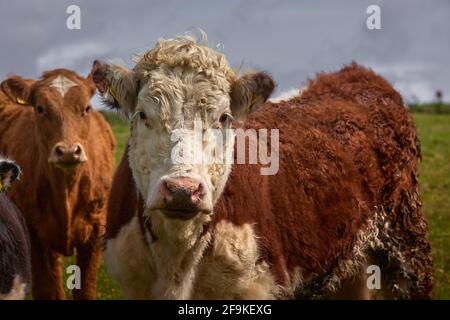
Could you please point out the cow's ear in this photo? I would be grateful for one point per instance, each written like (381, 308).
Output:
(9, 172)
(90, 84)
(18, 89)
(250, 91)
(116, 85)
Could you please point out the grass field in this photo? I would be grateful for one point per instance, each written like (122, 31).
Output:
(434, 132)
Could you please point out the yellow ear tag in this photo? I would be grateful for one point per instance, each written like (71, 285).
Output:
(113, 93)
(21, 101)
(1, 185)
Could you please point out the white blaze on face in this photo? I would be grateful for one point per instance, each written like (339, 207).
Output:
(175, 139)
(62, 84)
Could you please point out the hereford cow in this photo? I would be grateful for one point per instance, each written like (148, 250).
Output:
(345, 195)
(65, 149)
(15, 266)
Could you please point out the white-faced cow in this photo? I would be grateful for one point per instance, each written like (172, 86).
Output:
(66, 151)
(345, 195)
(15, 266)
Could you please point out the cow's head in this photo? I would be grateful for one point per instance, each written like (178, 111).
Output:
(9, 172)
(61, 110)
(173, 88)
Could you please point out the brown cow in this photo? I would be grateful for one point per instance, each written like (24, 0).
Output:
(65, 149)
(345, 195)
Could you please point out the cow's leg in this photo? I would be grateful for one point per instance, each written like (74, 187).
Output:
(354, 287)
(88, 259)
(405, 276)
(405, 259)
(46, 268)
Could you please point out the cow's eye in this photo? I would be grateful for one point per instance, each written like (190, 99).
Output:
(225, 117)
(142, 115)
(40, 109)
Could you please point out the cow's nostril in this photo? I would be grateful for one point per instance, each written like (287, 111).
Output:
(166, 191)
(59, 152)
(77, 151)
(167, 187)
(199, 192)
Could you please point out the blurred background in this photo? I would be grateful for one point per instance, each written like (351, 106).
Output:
(291, 39)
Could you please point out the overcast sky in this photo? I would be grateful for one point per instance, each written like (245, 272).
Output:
(291, 39)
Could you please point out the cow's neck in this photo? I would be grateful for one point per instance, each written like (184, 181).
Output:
(64, 188)
(64, 182)
(176, 253)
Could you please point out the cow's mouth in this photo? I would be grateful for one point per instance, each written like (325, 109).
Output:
(67, 165)
(180, 214)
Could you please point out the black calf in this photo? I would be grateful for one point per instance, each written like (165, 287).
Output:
(15, 272)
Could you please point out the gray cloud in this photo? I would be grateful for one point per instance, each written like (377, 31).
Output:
(291, 39)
